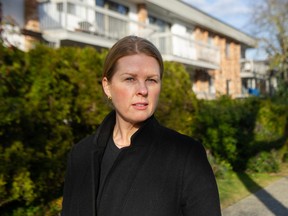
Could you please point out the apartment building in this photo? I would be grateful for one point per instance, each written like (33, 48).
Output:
(210, 49)
(257, 78)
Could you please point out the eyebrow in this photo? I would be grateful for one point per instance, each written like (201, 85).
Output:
(135, 74)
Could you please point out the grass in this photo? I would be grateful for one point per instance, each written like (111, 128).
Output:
(236, 186)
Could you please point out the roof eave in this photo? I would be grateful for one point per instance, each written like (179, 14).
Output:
(189, 13)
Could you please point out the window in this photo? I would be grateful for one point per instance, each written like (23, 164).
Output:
(210, 40)
(159, 23)
(227, 50)
(60, 7)
(228, 87)
(100, 3)
(71, 8)
(190, 32)
(243, 51)
(122, 9)
(211, 85)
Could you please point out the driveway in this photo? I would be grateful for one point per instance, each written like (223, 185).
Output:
(270, 201)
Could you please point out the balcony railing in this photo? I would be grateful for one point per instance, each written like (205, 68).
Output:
(254, 69)
(185, 47)
(75, 16)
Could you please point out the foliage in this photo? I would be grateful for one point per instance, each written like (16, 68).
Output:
(270, 24)
(221, 168)
(225, 126)
(282, 91)
(46, 105)
(177, 101)
(236, 130)
(264, 162)
(271, 121)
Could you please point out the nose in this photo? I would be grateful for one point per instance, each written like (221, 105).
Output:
(142, 89)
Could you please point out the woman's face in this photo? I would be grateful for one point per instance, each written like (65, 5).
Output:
(134, 87)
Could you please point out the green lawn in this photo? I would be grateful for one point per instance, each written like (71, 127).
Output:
(236, 186)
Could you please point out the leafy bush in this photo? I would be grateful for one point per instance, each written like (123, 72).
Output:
(221, 168)
(236, 130)
(271, 120)
(225, 126)
(177, 101)
(264, 162)
(49, 99)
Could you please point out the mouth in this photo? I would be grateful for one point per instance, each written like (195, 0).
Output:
(140, 106)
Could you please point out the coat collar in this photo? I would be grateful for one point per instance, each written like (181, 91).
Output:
(105, 130)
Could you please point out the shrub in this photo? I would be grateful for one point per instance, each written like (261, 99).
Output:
(225, 126)
(177, 101)
(221, 168)
(271, 121)
(264, 162)
(49, 99)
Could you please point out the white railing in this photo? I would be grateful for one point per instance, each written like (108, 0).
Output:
(185, 47)
(205, 95)
(252, 68)
(75, 16)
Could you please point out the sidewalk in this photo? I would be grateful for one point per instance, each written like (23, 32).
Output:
(270, 201)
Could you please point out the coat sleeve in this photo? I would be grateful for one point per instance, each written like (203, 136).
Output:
(67, 193)
(200, 195)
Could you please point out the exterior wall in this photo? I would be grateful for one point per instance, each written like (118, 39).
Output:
(228, 76)
(142, 13)
(31, 15)
(209, 82)
(31, 21)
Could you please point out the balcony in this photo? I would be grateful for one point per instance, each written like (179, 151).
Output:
(254, 69)
(69, 20)
(185, 50)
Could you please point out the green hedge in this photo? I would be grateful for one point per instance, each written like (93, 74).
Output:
(49, 99)
(238, 130)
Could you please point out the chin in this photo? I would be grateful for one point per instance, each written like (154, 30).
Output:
(141, 118)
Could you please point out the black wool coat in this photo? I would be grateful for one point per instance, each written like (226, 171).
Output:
(162, 173)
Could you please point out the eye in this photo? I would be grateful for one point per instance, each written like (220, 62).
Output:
(150, 80)
(129, 79)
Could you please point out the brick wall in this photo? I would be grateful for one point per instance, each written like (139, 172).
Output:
(229, 71)
(142, 13)
(31, 21)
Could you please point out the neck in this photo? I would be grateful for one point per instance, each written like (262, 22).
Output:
(122, 132)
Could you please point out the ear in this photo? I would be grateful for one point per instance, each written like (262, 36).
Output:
(106, 87)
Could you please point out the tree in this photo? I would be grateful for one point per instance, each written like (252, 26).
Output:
(270, 24)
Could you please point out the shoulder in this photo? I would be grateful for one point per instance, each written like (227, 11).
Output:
(84, 146)
(180, 147)
(170, 137)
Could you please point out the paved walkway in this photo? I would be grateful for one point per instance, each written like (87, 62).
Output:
(270, 201)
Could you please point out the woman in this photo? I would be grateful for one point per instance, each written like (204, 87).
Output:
(133, 166)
